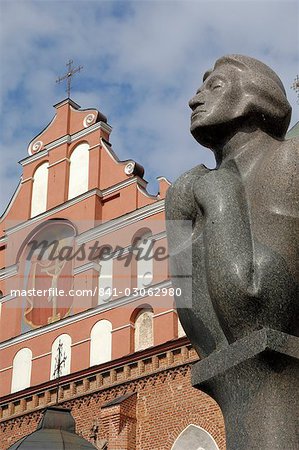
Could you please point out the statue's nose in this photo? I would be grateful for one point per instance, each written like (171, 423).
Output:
(196, 101)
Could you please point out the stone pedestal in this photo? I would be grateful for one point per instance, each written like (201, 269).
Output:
(255, 381)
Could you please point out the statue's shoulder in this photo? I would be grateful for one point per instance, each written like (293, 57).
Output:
(180, 201)
(187, 179)
(287, 153)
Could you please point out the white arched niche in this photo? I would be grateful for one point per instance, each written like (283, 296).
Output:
(195, 438)
(144, 330)
(39, 190)
(62, 345)
(101, 342)
(21, 370)
(105, 277)
(79, 168)
(145, 262)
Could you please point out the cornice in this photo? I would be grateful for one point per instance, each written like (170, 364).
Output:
(52, 211)
(8, 272)
(122, 301)
(92, 265)
(120, 222)
(115, 364)
(68, 138)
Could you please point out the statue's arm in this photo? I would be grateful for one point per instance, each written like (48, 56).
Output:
(184, 232)
(229, 249)
(181, 206)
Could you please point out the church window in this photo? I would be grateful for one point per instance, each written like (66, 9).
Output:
(61, 356)
(105, 276)
(143, 249)
(101, 342)
(144, 330)
(21, 370)
(79, 168)
(194, 433)
(39, 190)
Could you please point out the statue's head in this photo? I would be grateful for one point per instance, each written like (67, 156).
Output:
(239, 89)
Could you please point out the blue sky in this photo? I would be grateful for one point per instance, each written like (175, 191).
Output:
(143, 61)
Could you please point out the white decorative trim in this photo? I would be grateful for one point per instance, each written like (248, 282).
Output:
(163, 178)
(80, 316)
(35, 147)
(111, 152)
(89, 120)
(3, 239)
(129, 168)
(41, 356)
(9, 271)
(126, 250)
(58, 162)
(95, 146)
(128, 325)
(63, 140)
(11, 201)
(121, 222)
(80, 342)
(6, 368)
(7, 298)
(66, 139)
(145, 193)
(164, 312)
(48, 213)
(112, 225)
(34, 157)
(122, 185)
(26, 179)
(96, 126)
(90, 265)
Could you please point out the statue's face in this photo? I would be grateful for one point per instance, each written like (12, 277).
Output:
(217, 101)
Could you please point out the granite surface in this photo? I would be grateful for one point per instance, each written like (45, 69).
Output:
(245, 236)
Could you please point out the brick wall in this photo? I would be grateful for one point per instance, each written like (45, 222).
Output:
(164, 404)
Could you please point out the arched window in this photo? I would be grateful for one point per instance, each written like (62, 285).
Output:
(21, 370)
(39, 190)
(105, 275)
(143, 250)
(100, 342)
(79, 167)
(201, 438)
(45, 262)
(144, 330)
(61, 356)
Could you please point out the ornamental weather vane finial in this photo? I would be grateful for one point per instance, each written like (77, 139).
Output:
(68, 76)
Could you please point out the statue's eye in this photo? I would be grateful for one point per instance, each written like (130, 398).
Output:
(216, 86)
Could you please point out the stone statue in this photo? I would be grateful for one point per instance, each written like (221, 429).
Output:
(245, 227)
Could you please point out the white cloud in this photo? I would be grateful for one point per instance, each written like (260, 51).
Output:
(142, 61)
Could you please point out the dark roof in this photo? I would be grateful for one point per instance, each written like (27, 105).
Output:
(118, 400)
(56, 430)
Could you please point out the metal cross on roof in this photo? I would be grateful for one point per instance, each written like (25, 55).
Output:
(295, 86)
(68, 76)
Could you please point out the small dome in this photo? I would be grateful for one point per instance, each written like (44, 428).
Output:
(56, 430)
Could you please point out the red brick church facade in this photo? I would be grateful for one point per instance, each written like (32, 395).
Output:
(125, 361)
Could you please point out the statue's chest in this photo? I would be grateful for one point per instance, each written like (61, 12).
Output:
(269, 188)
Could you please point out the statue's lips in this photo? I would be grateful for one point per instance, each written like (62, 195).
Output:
(197, 112)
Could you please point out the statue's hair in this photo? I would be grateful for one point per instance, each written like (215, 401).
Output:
(265, 96)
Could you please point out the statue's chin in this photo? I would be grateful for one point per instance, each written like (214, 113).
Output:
(205, 136)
